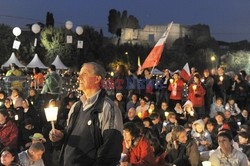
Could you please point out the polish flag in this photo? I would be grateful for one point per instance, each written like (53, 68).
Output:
(185, 72)
(155, 55)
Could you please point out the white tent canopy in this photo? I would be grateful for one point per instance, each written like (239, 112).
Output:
(58, 63)
(11, 60)
(36, 62)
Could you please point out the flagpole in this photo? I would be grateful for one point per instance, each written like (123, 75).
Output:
(153, 67)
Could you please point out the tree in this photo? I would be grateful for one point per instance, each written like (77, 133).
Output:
(238, 60)
(53, 40)
(132, 22)
(116, 21)
(49, 20)
(6, 41)
(124, 18)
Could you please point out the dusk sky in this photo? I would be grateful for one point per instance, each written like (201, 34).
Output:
(229, 20)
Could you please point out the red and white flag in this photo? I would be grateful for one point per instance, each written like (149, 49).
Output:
(185, 72)
(155, 55)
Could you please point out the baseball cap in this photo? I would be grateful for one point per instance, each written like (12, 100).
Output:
(38, 136)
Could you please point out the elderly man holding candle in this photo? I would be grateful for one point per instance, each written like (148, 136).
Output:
(94, 131)
(221, 85)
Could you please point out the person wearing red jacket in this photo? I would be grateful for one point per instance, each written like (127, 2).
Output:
(8, 130)
(136, 149)
(176, 87)
(196, 94)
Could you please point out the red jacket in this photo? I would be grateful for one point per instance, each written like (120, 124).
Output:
(179, 90)
(140, 155)
(196, 96)
(8, 134)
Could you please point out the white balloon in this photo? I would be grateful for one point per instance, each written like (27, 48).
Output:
(79, 30)
(69, 24)
(17, 31)
(35, 28)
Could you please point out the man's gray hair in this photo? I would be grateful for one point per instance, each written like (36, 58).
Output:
(38, 146)
(98, 69)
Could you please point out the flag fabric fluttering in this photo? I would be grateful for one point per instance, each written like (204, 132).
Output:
(185, 72)
(155, 55)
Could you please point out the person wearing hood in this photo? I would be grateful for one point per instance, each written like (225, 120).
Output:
(188, 115)
(201, 135)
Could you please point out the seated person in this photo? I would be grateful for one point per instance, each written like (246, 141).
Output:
(244, 143)
(232, 107)
(136, 149)
(226, 154)
(132, 116)
(201, 135)
(33, 156)
(8, 130)
(216, 107)
(182, 150)
(9, 157)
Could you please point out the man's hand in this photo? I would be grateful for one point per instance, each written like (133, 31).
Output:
(55, 135)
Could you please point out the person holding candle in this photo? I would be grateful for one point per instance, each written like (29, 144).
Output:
(164, 108)
(142, 109)
(196, 95)
(93, 135)
(208, 86)
(9, 107)
(201, 135)
(176, 87)
(221, 85)
(132, 116)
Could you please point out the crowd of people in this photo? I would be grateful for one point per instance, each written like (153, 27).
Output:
(151, 120)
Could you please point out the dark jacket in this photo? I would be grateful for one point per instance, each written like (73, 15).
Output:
(186, 154)
(101, 143)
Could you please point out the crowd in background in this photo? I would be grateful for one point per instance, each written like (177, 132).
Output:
(170, 120)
